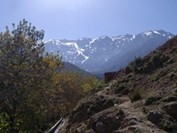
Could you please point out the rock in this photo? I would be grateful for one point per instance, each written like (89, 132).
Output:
(154, 116)
(90, 107)
(90, 131)
(162, 120)
(106, 121)
(171, 109)
(130, 121)
(101, 128)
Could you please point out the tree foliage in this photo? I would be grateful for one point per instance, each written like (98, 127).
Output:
(32, 92)
(25, 77)
(73, 86)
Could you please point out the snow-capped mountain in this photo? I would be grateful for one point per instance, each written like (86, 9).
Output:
(103, 53)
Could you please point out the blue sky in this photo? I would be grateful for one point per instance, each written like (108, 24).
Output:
(72, 19)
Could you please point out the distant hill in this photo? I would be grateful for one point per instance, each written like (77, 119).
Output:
(72, 68)
(102, 54)
(142, 99)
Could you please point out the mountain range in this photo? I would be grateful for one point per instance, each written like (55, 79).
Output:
(103, 54)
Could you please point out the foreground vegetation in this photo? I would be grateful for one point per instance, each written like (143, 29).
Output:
(33, 94)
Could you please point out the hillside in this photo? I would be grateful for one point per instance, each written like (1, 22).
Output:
(142, 99)
(73, 68)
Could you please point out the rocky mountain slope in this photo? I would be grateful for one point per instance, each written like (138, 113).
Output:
(107, 53)
(142, 99)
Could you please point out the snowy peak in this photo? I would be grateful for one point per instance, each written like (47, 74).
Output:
(126, 38)
(69, 50)
(91, 53)
(157, 32)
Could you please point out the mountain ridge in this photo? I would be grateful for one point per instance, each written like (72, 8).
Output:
(91, 54)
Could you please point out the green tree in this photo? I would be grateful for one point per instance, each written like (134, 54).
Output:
(33, 93)
(26, 85)
(72, 87)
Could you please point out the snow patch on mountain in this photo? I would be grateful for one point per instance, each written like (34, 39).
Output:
(93, 40)
(156, 32)
(148, 33)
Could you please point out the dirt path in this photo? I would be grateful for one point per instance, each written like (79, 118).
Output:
(135, 114)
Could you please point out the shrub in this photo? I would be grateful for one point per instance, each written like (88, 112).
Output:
(136, 65)
(135, 95)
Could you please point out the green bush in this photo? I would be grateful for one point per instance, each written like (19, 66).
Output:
(135, 95)
(136, 65)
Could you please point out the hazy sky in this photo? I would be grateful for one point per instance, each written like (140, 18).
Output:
(72, 19)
